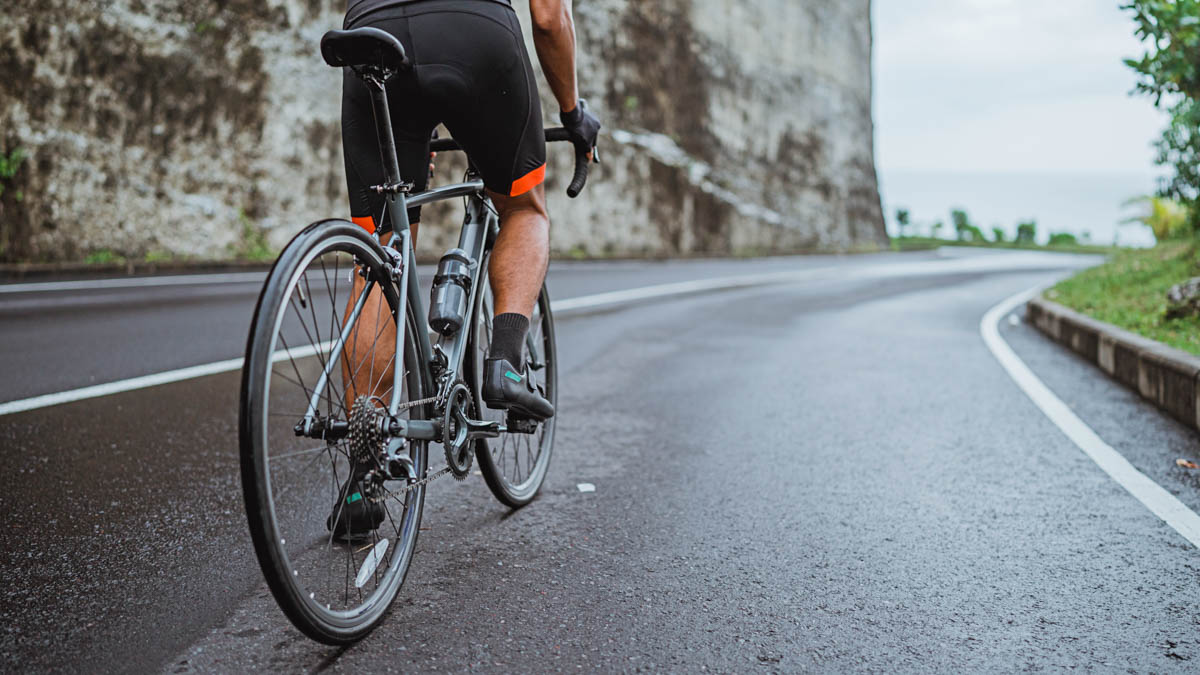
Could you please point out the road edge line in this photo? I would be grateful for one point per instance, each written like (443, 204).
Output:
(566, 306)
(1152, 495)
(145, 381)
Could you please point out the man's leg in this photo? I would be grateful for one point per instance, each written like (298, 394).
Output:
(517, 270)
(521, 253)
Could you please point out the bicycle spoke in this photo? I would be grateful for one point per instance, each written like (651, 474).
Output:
(296, 369)
(307, 334)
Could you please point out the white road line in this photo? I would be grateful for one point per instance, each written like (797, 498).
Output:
(681, 288)
(1160, 502)
(153, 380)
(958, 265)
(136, 282)
(564, 306)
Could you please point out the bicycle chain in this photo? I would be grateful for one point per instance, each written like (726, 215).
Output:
(413, 404)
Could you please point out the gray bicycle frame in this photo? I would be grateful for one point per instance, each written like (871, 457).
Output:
(479, 228)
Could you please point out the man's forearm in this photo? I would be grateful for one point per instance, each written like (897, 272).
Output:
(554, 39)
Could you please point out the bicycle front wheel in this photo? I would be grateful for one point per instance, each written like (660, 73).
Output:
(320, 370)
(514, 465)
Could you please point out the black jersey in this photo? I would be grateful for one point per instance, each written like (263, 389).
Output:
(356, 9)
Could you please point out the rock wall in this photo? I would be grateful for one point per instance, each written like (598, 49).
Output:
(209, 128)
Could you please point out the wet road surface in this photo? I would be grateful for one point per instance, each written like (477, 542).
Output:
(832, 474)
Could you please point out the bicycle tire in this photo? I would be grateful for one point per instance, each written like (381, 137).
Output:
(509, 487)
(279, 562)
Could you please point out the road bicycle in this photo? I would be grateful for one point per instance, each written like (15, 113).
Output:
(307, 420)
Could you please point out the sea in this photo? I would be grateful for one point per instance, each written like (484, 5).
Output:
(1090, 205)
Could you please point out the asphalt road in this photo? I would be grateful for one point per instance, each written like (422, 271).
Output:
(832, 474)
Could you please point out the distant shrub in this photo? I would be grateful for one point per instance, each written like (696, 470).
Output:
(1027, 232)
(998, 235)
(1063, 239)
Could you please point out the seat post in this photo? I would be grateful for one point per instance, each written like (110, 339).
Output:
(383, 129)
(394, 189)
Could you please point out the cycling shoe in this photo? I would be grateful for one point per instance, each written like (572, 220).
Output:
(358, 511)
(506, 388)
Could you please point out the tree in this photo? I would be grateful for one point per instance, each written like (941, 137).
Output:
(1027, 232)
(936, 230)
(1168, 219)
(1168, 73)
(963, 228)
(902, 220)
(998, 234)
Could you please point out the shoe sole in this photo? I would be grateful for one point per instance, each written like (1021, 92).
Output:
(515, 408)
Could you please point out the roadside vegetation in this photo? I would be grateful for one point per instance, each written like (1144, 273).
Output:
(1156, 292)
(1130, 291)
(967, 233)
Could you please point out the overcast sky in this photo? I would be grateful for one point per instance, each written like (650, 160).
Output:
(1008, 85)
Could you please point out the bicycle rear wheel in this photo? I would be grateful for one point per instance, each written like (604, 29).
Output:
(514, 465)
(333, 589)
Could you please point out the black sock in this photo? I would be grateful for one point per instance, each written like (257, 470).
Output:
(508, 338)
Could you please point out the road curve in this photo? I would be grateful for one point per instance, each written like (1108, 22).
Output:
(831, 474)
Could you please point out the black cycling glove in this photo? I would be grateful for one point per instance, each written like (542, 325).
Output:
(582, 125)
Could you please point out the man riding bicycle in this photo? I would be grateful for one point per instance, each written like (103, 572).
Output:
(471, 72)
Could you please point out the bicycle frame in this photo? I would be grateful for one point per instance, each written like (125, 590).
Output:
(442, 360)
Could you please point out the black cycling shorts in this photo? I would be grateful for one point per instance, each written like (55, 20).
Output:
(472, 73)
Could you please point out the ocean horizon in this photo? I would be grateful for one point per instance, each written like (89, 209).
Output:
(1088, 204)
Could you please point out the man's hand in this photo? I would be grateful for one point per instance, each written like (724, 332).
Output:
(583, 127)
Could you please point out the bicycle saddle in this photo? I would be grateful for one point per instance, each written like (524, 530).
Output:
(363, 47)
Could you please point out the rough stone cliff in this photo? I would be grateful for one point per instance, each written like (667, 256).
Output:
(209, 128)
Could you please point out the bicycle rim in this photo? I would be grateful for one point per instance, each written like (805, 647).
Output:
(333, 589)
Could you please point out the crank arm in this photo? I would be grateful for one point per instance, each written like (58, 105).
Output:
(481, 429)
(513, 425)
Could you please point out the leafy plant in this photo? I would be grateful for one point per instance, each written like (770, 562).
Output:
(253, 244)
(1167, 218)
(102, 257)
(1168, 73)
(10, 164)
(1062, 239)
(998, 235)
(963, 228)
(902, 221)
(1027, 232)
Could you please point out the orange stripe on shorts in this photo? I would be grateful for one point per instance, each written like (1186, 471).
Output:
(365, 222)
(528, 181)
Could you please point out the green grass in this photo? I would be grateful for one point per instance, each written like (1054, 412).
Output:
(926, 243)
(253, 245)
(103, 257)
(1130, 291)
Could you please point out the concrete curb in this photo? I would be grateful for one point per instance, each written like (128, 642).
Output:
(1165, 376)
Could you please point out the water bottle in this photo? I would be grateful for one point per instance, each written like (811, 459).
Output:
(451, 292)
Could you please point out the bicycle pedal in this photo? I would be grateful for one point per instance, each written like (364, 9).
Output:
(517, 424)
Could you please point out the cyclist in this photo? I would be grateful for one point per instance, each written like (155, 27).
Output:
(472, 73)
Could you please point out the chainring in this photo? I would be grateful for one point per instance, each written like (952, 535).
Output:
(455, 440)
